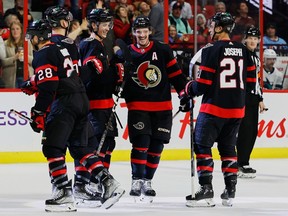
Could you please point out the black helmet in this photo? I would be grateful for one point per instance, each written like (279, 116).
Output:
(252, 31)
(40, 28)
(99, 15)
(225, 20)
(141, 22)
(54, 14)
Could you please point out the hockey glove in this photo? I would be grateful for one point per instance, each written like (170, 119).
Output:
(29, 86)
(95, 64)
(185, 102)
(38, 120)
(120, 72)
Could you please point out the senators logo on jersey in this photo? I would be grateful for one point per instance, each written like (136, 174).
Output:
(148, 75)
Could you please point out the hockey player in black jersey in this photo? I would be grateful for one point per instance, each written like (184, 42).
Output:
(100, 78)
(85, 192)
(147, 93)
(61, 90)
(254, 104)
(225, 71)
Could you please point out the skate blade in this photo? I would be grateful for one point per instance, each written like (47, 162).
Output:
(88, 203)
(117, 194)
(67, 207)
(200, 203)
(246, 175)
(227, 202)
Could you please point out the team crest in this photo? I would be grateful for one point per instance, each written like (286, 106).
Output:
(148, 76)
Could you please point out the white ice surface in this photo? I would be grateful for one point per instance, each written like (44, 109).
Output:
(24, 188)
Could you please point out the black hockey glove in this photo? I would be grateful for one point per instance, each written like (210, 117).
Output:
(29, 86)
(96, 65)
(38, 120)
(185, 102)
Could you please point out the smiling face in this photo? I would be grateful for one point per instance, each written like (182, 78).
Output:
(252, 42)
(142, 36)
(16, 30)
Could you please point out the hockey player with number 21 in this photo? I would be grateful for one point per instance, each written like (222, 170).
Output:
(147, 92)
(225, 71)
(66, 124)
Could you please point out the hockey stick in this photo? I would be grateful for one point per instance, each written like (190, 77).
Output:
(128, 58)
(22, 116)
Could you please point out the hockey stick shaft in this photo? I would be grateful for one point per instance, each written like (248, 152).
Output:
(22, 116)
(192, 153)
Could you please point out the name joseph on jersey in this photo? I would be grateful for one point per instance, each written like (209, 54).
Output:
(233, 52)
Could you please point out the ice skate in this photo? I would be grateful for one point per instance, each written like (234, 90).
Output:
(147, 192)
(246, 172)
(62, 200)
(203, 197)
(135, 191)
(227, 196)
(85, 196)
(112, 190)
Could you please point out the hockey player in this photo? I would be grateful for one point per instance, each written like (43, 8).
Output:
(60, 88)
(147, 93)
(59, 19)
(100, 78)
(225, 70)
(273, 78)
(254, 103)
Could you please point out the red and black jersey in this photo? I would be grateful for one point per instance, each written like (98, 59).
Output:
(225, 71)
(54, 75)
(99, 85)
(148, 88)
(69, 44)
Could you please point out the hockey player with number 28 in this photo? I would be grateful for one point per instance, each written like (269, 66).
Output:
(147, 92)
(84, 189)
(66, 124)
(225, 71)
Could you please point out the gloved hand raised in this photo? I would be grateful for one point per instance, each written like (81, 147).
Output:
(29, 86)
(38, 117)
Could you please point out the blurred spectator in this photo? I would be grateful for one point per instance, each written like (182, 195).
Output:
(271, 38)
(220, 7)
(122, 26)
(186, 11)
(4, 31)
(74, 8)
(78, 31)
(18, 11)
(144, 8)
(97, 4)
(13, 72)
(273, 78)
(156, 17)
(242, 21)
(11, 18)
(130, 7)
(202, 28)
(175, 18)
(174, 37)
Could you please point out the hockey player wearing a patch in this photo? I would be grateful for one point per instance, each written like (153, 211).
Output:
(100, 79)
(254, 104)
(59, 19)
(61, 89)
(147, 93)
(225, 71)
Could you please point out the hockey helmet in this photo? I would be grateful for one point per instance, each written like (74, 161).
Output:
(252, 31)
(40, 28)
(225, 20)
(270, 53)
(99, 15)
(141, 22)
(54, 14)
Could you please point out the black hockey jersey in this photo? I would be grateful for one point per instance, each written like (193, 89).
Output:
(99, 87)
(54, 75)
(148, 88)
(225, 71)
(69, 44)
